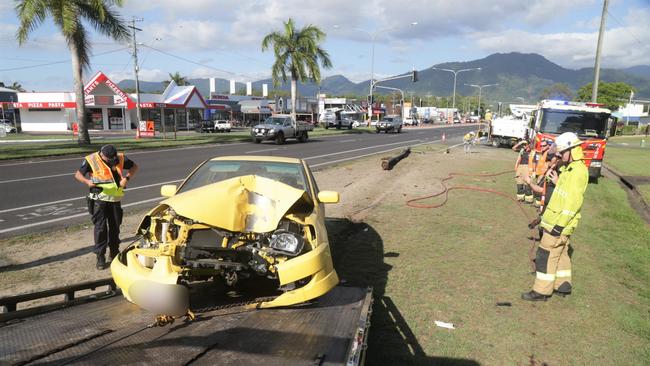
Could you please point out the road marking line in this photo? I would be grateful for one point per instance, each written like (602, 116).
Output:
(353, 150)
(369, 154)
(342, 141)
(78, 198)
(32, 178)
(202, 146)
(69, 217)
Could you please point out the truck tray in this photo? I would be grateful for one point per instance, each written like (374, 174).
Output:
(112, 331)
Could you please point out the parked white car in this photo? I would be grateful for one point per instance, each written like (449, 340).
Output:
(410, 121)
(7, 126)
(222, 126)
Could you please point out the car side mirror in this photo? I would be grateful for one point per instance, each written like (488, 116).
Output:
(328, 197)
(168, 190)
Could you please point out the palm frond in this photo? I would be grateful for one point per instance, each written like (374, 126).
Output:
(31, 14)
(105, 20)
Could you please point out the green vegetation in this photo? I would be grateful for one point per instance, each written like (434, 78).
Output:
(557, 91)
(297, 53)
(609, 94)
(455, 263)
(68, 146)
(644, 189)
(628, 160)
(69, 17)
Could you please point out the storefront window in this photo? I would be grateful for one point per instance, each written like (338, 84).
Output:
(151, 115)
(115, 119)
(96, 118)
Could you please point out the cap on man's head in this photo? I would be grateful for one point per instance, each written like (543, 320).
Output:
(110, 152)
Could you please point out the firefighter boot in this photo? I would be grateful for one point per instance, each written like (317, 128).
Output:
(520, 192)
(528, 194)
(534, 296)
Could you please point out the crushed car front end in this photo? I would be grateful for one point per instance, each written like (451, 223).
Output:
(243, 228)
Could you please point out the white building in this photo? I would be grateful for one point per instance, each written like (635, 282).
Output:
(110, 108)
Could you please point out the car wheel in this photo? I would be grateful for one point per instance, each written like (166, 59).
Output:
(327, 126)
(256, 140)
(303, 137)
(399, 130)
(279, 139)
(377, 130)
(350, 126)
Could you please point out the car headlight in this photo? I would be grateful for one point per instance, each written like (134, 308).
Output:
(271, 132)
(287, 242)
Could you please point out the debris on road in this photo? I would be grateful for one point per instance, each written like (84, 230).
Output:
(389, 163)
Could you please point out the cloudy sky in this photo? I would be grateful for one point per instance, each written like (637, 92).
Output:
(209, 38)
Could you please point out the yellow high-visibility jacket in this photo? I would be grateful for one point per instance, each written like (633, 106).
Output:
(563, 211)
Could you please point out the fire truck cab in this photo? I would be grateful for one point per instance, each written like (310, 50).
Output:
(587, 120)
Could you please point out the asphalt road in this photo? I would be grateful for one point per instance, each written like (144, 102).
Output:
(36, 196)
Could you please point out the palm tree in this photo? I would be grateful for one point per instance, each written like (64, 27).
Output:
(297, 53)
(16, 86)
(177, 78)
(67, 15)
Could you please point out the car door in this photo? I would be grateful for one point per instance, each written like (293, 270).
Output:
(288, 128)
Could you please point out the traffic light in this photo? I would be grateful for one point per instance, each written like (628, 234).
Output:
(371, 99)
(414, 77)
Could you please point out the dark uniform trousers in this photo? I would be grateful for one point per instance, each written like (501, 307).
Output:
(107, 218)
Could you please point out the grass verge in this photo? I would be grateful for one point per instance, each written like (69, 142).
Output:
(455, 263)
(629, 161)
(69, 146)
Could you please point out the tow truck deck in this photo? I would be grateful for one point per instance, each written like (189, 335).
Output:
(112, 331)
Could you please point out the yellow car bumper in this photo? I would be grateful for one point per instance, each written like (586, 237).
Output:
(154, 289)
(318, 265)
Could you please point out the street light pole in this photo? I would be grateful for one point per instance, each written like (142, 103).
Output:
(480, 87)
(373, 38)
(455, 72)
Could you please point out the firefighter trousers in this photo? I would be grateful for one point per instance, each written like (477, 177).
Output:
(523, 190)
(553, 265)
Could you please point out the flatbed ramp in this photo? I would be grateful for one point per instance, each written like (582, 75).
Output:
(330, 331)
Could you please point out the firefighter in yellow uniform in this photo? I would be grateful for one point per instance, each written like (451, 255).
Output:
(560, 218)
(103, 173)
(524, 193)
(538, 169)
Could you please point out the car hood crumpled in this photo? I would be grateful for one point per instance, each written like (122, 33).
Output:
(247, 203)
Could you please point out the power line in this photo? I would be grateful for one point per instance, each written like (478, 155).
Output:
(58, 62)
(196, 63)
(627, 29)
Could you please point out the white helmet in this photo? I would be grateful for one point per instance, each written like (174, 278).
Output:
(472, 133)
(566, 141)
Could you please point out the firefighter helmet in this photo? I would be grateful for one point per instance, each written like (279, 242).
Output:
(567, 141)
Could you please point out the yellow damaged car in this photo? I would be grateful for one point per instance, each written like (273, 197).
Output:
(233, 218)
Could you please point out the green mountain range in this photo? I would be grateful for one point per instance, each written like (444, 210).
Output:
(519, 75)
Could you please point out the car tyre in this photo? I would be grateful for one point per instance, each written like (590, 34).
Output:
(256, 140)
(279, 138)
(350, 126)
(303, 137)
(399, 130)
(377, 130)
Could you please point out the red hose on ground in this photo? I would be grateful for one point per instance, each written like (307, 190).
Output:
(446, 190)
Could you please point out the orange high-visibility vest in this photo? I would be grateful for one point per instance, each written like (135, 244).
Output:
(542, 165)
(102, 176)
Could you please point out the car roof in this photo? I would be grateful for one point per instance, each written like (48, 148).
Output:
(275, 159)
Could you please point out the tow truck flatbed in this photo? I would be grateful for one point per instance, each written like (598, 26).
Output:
(112, 331)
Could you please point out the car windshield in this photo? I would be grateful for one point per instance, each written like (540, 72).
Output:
(584, 124)
(214, 171)
(274, 121)
(387, 119)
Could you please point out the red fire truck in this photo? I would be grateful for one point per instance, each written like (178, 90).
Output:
(587, 120)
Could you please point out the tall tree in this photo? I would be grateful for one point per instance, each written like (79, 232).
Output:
(297, 53)
(612, 95)
(177, 78)
(67, 15)
(557, 91)
(16, 86)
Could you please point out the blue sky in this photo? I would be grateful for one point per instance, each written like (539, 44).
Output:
(223, 37)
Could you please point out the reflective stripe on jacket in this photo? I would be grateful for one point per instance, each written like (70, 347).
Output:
(563, 210)
(102, 176)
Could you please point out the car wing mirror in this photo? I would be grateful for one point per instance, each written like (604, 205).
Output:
(328, 197)
(168, 190)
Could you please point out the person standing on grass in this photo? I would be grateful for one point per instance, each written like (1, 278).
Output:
(468, 140)
(560, 218)
(103, 173)
(524, 193)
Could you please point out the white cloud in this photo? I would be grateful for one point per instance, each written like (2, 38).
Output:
(143, 75)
